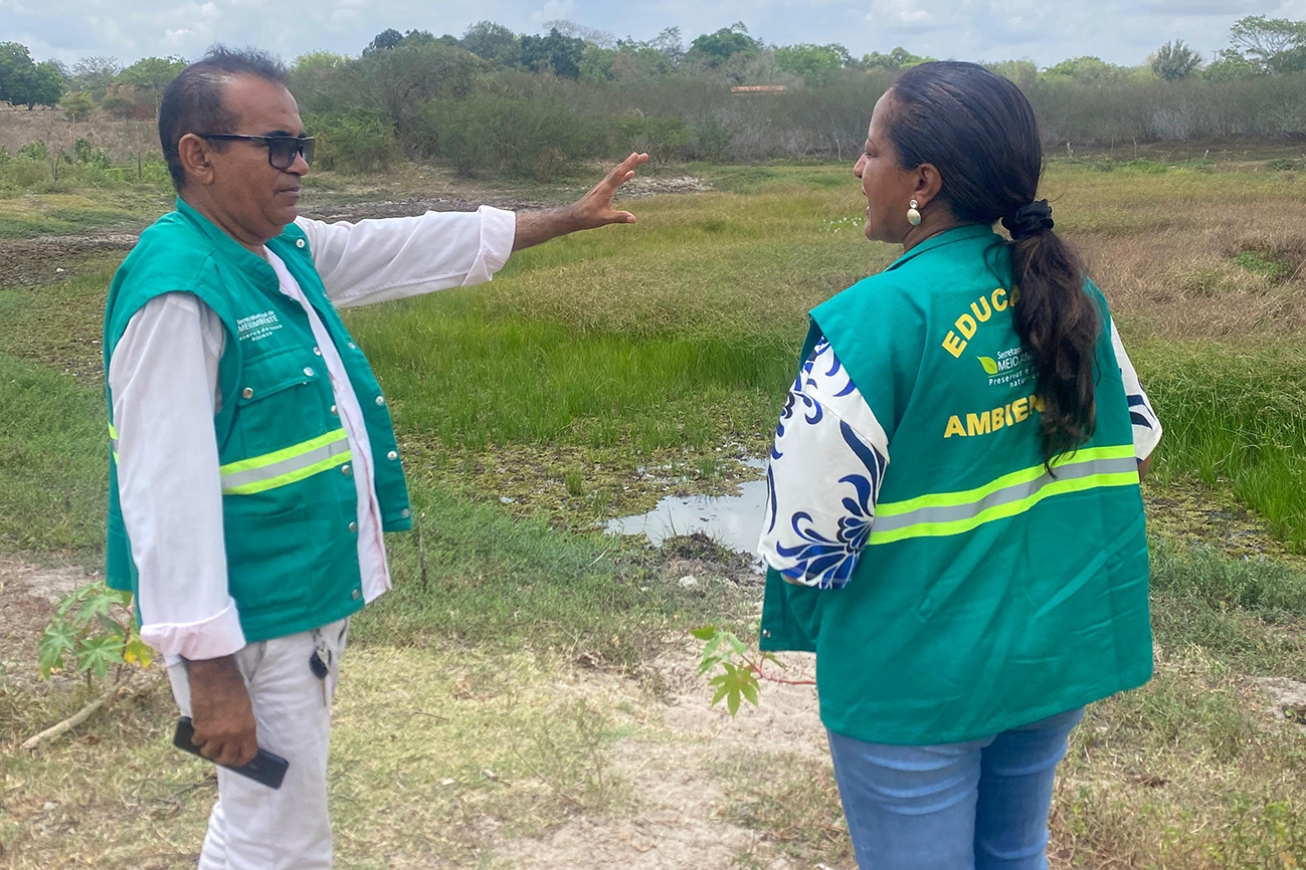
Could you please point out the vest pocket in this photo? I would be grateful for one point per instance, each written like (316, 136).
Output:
(282, 400)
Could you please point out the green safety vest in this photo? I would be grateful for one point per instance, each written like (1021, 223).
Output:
(991, 594)
(288, 494)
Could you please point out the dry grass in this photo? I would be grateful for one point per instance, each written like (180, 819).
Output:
(123, 140)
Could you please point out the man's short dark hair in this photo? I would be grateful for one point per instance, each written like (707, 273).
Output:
(192, 102)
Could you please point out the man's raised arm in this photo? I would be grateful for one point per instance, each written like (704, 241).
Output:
(591, 211)
(395, 258)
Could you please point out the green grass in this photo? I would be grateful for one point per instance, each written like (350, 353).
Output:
(1234, 416)
(53, 450)
(1247, 616)
(678, 334)
(496, 583)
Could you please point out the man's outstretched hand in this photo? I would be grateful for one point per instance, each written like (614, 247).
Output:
(591, 211)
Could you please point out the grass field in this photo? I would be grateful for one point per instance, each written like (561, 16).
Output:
(527, 683)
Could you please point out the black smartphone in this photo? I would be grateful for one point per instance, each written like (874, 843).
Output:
(266, 767)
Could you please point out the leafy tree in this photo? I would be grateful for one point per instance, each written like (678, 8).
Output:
(899, 58)
(1230, 66)
(815, 63)
(17, 72)
(386, 40)
(152, 74)
(494, 42)
(47, 86)
(669, 43)
(77, 105)
(1271, 44)
(599, 38)
(1023, 72)
(560, 54)
(653, 59)
(315, 62)
(398, 80)
(714, 49)
(596, 63)
(94, 74)
(1088, 70)
(1174, 61)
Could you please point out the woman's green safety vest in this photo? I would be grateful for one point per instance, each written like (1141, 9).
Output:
(289, 499)
(992, 593)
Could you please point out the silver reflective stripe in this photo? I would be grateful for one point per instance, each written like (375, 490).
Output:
(237, 479)
(1017, 492)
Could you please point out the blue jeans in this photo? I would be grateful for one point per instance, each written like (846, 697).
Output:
(981, 805)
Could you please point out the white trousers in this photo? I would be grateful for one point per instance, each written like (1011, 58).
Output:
(253, 827)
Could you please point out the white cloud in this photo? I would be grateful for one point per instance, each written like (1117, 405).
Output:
(553, 10)
(901, 14)
(1121, 31)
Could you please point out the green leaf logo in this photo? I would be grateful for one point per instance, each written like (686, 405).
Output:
(989, 364)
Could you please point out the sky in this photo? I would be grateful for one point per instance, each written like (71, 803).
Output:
(1044, 31)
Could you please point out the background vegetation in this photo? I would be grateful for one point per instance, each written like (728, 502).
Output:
(530, 105)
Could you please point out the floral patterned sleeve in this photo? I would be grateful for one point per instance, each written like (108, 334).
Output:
(826, 468)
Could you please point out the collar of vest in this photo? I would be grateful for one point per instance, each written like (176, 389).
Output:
(231, 251)
(947, 237)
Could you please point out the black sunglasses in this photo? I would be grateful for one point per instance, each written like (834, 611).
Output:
(282, 150)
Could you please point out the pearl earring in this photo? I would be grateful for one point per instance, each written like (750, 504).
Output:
(913, 215)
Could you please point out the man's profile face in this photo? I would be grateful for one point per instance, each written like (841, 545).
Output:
(249, 190)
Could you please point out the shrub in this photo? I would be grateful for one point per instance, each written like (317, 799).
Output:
(664, 138)
(91, 156)
(34, 151)
(712, 138)
(540, 139)
(352, 141)
(77, 105)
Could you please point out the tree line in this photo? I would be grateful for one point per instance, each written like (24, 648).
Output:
(533, 104)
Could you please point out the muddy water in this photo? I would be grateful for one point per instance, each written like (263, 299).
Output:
(734, 522)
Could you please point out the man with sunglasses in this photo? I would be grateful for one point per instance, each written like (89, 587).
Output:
(254, 467)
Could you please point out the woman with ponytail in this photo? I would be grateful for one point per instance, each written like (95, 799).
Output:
(955, 526)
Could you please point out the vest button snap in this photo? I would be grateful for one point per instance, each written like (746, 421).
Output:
(308, 370)
(358, 593)
(380, 400)
(248, 392)
(353, 527)
(299, 243)
(407, 513)
(317, 350)
(333, 410)
(392, 456)
(344, 469)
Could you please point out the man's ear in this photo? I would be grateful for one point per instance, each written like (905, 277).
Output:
(928, 184)
(195, 156)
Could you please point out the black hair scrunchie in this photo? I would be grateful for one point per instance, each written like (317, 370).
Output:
(1029, 221)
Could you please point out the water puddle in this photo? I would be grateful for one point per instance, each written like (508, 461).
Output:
(734, 522)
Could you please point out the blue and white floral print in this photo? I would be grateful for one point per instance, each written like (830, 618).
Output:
(1147, 428)
(827, 464)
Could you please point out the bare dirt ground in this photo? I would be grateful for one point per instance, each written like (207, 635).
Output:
(28, 595)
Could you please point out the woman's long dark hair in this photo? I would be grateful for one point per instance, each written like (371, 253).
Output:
(979, 131)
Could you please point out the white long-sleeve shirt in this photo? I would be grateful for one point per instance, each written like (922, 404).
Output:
(164, 378)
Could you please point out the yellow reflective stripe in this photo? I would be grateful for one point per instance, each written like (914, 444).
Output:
(285, 453)
(1002, 511)
(286, 466)
(113, 442)
(1025, 475)
(290, 476)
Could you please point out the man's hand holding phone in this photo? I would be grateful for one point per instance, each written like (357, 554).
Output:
(225, 731)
